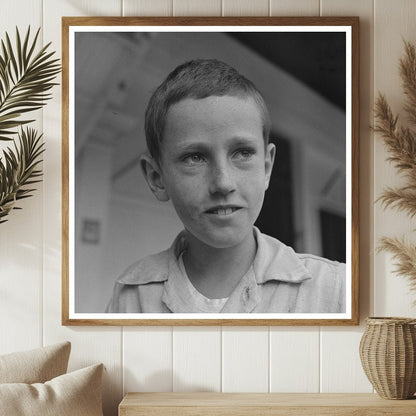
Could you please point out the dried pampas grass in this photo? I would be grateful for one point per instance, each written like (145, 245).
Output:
(401, 143)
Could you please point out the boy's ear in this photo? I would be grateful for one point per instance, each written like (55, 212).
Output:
(269, 162)
(153, 176)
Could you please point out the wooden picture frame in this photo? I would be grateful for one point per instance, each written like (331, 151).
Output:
(105, 59)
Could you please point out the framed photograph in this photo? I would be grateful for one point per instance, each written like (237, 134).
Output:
(210, 171)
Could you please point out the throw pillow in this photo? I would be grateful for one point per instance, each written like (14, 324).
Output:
(35, 366)
(73, 394)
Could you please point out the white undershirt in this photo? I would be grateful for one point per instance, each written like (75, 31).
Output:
(204, 304)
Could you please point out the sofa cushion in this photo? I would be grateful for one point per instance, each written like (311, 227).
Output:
(35, 366)
(73, 394)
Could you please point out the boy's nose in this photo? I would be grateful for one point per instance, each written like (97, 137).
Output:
(221, 180)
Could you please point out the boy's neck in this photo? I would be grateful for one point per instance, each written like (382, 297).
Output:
(215, 272)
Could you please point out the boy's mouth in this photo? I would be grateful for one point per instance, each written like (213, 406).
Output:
(222, 211)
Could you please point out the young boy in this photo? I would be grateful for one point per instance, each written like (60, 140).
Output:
(207, 131)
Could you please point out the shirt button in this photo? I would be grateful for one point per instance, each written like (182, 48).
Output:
(246, 293)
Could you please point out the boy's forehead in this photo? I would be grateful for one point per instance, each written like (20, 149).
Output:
(211, 112)
(206, 100)
(216, 119)
(214, 106)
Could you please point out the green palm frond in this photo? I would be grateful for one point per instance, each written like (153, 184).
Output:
(25, 79)
(19, 170)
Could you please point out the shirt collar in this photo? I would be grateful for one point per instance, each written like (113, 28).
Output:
(178, 299)
(273, 261)
(276, 261)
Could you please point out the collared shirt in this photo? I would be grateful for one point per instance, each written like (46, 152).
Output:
(279, 281)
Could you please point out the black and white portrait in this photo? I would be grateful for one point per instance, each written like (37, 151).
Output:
(211, 172)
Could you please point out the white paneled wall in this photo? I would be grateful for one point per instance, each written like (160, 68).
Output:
(237, 359)
(245, 359)
(197, 359)
(294, 351)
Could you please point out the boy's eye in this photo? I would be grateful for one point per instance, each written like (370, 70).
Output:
(244, 154)
(193, 159)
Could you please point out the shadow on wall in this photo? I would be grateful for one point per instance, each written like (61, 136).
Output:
(161, 381)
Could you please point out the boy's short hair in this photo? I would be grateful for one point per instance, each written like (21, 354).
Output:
(200, 78)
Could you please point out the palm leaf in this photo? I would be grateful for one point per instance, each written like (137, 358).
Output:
(25, 78)
(19, 169)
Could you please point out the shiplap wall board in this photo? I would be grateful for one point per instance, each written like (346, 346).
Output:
(197, 8)
(245, 8)
(295, 8)
(148, 7)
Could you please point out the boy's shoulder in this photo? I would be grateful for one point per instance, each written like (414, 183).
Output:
(321, 282)
(150, 269)
(153, 268)
(311, 258)
(276, 261)
(322, 269)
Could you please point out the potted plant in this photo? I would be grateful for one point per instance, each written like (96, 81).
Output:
(388, 345)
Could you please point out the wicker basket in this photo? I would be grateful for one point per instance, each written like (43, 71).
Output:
(388, 356)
